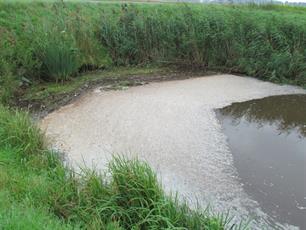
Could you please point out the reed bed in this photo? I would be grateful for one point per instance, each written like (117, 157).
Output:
(55, 41)
(247, 40)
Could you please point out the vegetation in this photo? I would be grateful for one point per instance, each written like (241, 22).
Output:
(268, 45)
(37, 191)
(55, 41)
(45, 42)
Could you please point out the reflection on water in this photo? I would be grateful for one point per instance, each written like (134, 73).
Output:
(267, 138)
(286, 112)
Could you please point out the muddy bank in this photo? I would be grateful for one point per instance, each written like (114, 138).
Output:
(40, 106)
(173, 126)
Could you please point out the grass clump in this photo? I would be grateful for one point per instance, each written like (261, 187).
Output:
(38, 191)
(17, 130)
(59, 57)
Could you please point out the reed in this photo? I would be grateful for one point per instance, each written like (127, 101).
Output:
(250, 40)
(54, 41)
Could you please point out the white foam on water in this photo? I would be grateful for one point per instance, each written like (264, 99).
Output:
(171, 125)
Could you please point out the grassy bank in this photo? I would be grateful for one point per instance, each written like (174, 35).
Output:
(251, 40)
(38, 192)
(44, 42)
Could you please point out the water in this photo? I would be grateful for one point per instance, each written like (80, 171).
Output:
(170, 125)
(267, 138)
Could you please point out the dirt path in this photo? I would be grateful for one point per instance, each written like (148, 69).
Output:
(171, 125)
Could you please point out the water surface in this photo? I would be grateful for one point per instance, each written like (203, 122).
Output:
(172, 126)
(267, 138)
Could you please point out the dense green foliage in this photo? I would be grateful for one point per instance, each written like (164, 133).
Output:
(37, 191)
(269, 45)
(54, 41)
(48, 41)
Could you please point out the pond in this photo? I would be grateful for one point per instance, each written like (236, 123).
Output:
(267, 138)
(173, 127)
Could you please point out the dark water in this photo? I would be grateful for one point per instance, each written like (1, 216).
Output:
(267, 138)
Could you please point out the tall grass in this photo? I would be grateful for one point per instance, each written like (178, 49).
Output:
(7, 80)
(37, 191)
(54, 41)
(268, 45)
(49, 41)
(17, 130)
(59, 57)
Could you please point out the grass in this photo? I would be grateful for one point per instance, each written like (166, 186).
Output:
(37, 191)
(264, 43)
(59, 58)
(46, 41)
